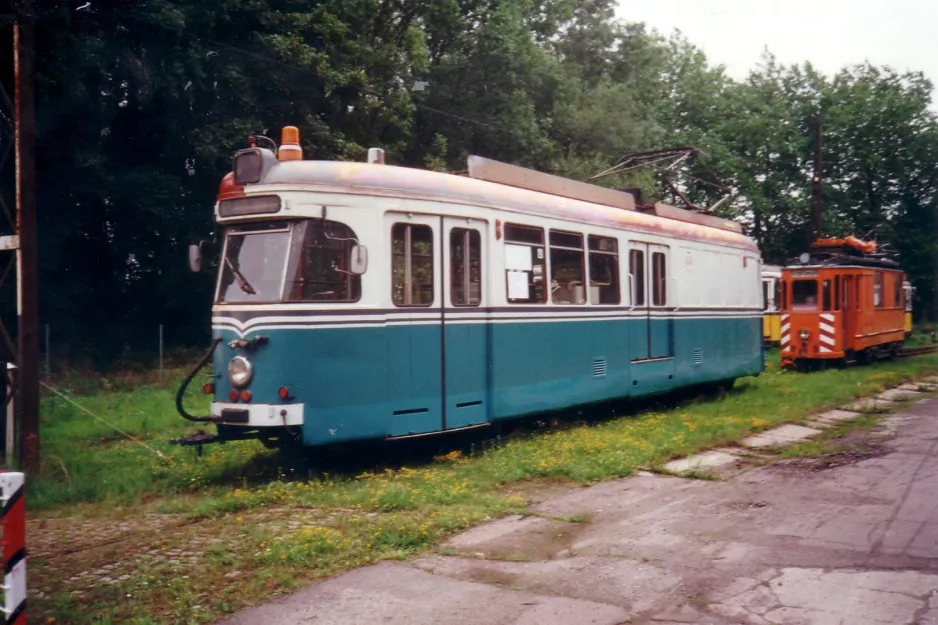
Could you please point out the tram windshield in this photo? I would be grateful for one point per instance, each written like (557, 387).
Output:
(304, 261)
(804, 295)
(252, 269)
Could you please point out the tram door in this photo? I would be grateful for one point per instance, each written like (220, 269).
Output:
(849, 310)
(651, 339)
(437, 368)
(413, 329)
(465, 344)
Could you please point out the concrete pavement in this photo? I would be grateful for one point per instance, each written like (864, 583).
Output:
(850, 540)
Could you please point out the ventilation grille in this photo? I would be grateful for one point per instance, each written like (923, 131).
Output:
(599, 367)
(698, 356)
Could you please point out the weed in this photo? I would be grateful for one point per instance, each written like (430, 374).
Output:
(512, 557)
(697, 474)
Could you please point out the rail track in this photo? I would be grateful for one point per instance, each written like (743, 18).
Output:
(917, 351)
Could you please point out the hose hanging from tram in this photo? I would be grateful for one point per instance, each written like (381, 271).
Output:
(185, 385)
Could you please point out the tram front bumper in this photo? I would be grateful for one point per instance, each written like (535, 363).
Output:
(258, 415)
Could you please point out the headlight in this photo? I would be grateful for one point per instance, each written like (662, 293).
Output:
(240, 371)
(804, 334)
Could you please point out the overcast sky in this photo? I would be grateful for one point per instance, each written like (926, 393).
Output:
(829, 33)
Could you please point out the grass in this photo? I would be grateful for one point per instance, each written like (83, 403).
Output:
(921, 335)
(272, 531)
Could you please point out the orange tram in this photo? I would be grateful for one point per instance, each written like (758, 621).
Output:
(841, 303)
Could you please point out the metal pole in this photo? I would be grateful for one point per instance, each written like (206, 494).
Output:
(161, 351)
(10, 449)
(27, 265)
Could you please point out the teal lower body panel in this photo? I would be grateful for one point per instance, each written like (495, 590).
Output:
(550, 366)
(661, 337)
(381, 381)
(466, 373)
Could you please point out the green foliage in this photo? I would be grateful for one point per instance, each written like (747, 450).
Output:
(142, 102)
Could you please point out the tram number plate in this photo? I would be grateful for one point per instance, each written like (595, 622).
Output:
(804, 274)
(235, 416)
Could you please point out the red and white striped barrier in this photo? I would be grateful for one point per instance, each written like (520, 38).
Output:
(826, 333)
(14, 548)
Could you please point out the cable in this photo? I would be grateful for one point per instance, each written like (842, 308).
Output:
(104, 421)
(185, 384)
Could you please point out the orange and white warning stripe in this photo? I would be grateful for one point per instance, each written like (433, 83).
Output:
(826, 332)
(14, 548)
(785, 332)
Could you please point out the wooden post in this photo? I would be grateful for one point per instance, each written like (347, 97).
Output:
(27, 257)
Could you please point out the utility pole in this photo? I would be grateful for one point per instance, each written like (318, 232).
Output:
(27, 254)
(816, 221)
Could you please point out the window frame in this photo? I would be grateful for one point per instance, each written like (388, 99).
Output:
(637, 280)
(565, 248)
(508, 240)
(805, 307)
(408, 263)
(354, 280)
(878, 299)
(659, 284)
(466, 242)
(253, 228)
(615, 283)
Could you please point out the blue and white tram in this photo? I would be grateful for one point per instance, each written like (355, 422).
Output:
(366, 301)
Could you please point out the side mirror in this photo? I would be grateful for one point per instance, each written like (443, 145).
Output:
(359, 260)
(195, 258)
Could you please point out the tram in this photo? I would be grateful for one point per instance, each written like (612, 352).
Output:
(842, 302)
(909, 292)
(771, 321)
(360, 301)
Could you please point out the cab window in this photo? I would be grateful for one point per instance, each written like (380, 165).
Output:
(804, 295)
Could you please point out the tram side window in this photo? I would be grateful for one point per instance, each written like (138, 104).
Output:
(779, 295)
(412, 265)
(524, 264)
(804, 295)
(659, 271)
(637, 275)
(566, 268)
(317, 269)
(836, 292)
(604, 270)
(826, 293)
(765, 295)
(465, 248)
(898, 291)
(878, 289)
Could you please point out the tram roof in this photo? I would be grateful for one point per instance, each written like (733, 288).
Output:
(394, 181)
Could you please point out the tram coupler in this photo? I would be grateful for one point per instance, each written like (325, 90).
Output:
(196, 440)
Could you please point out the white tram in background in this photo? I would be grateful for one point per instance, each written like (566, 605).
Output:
(366, 301)
(771, 300)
